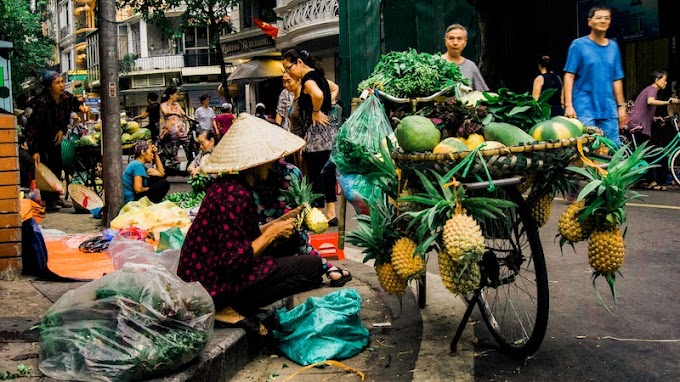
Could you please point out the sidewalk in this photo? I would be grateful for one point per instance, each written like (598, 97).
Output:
(392, 352)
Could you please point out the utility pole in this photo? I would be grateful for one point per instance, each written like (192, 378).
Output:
(112, 161)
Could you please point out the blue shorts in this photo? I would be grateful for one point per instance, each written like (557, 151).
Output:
(610, 127)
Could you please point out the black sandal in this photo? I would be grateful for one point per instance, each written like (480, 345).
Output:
(342, 280)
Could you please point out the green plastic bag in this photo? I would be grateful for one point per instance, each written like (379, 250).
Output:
(171, 238)
(322, 328)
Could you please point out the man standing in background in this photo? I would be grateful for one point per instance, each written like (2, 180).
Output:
(455, 40)
(593, 78)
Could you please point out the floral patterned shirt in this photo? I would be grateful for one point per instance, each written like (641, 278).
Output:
(217, 250)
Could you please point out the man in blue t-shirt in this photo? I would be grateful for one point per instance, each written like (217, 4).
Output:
(593, 78)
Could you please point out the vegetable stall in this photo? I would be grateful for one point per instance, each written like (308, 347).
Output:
(81, 151)
(435, 170)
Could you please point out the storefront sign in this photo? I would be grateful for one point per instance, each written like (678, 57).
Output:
(76, 75)
(92, 101)
(247, 44)
(631, 19)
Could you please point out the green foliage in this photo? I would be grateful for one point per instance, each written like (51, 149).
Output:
(22, 371)
(412, 74)
(31, 51)
(521, 110)
(212, 13)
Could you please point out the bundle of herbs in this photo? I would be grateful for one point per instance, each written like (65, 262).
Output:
(411, 74)
(135, 323)
(457, 119)
(519, 109)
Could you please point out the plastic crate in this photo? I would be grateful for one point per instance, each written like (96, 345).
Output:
(327, 245)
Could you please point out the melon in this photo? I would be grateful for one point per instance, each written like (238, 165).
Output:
(125, 138)
(507, 134)
(473, 140)
(142, 133)
(493, 145)
(450, 145)
(132, 127)
(555, 129)
(578, 124)
(417, 133)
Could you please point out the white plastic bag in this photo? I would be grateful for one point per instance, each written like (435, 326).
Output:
(123, 250)
(136, 323)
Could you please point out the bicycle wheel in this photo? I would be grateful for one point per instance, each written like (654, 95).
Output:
(675, 166)
(513, 298)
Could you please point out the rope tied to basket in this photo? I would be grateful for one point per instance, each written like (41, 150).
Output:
(589, 162)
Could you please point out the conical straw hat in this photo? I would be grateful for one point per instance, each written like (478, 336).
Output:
(250, 142)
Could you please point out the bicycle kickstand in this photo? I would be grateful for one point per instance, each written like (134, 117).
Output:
(461, 326)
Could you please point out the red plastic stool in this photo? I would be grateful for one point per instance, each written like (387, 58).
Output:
(327, 245)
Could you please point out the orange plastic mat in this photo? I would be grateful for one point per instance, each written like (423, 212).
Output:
(66, 260)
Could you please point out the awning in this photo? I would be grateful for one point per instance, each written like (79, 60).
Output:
(257, 70)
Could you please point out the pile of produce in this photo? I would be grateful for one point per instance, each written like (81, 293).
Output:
(193, 198)
(130, 132)
(132, 324)
(410, 74)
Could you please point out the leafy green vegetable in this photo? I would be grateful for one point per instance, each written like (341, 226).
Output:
(521, 110)
(456, 119)
(411, 74)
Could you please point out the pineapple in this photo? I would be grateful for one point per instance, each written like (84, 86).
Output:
(390, 280)
(571, 228)
(604, 200)
(406, 263)
(300, 194)
(466, 278)
(458, 234)
(446, 266)
(540, 209)
(377, 235)
(606, 251)
(462, 237)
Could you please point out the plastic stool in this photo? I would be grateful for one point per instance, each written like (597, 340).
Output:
(327, 245)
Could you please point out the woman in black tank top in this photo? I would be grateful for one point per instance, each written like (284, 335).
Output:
(548, 80)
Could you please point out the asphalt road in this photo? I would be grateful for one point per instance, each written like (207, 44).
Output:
(639, 342)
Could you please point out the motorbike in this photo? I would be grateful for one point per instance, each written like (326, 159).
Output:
(168, 148)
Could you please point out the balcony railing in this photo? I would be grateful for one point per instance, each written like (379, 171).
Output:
(309, 12)
(154, 63)
(64, 31)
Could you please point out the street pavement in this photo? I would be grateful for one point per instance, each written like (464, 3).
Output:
(583, 341)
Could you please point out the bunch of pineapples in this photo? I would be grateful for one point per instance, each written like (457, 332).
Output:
(446, 222)
(599, 211)
(396, 260)
(300, 194)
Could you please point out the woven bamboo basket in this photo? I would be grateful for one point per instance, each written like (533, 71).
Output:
(84, 199)
(502, 162)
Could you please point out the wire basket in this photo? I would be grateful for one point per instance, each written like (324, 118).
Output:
(500, 162)
(84, 199)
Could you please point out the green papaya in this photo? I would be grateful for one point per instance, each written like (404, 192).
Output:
(506, 134)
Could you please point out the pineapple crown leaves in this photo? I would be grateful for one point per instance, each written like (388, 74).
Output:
(442, 200)
(607, 192)
(299, 193)
(376, 232)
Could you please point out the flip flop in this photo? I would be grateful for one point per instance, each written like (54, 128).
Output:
(342, 280)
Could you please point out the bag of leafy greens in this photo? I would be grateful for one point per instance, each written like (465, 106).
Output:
(135, 323)
(360, 136)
